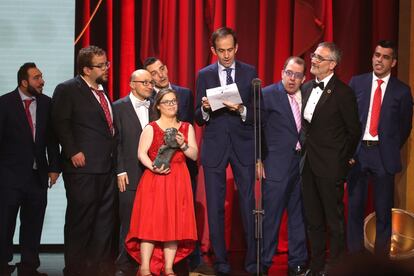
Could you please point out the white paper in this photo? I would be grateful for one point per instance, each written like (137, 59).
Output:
(217, 95)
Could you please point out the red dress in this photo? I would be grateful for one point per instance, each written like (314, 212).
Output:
(163, 208)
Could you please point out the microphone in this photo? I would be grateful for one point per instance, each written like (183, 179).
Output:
(256, 82)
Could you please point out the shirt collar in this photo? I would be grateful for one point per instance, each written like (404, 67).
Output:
(134, 99)
(24, 97)
(100, 87)
(384, 79)
(221, 67)
(325, 80)
(158, 89)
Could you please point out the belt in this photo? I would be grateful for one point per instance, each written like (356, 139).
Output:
(369, 143)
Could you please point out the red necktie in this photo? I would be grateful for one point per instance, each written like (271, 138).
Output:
(376, 110)
(27, 103)
(105, 107)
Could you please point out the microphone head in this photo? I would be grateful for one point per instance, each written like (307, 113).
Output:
(256, 82)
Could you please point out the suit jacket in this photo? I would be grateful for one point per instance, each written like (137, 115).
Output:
(18, 151)
(128, 128)
(80, 125)
(395, 118)
(280, 132)
(331, 139)
(226, 128)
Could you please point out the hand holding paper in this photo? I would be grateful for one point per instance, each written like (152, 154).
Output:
(228, 94)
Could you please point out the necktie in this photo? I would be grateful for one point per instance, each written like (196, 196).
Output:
(376, 110)
(105, 107)
(27, 103)
(145, 103)
(318, 84)
(296, 114)
(229, 79)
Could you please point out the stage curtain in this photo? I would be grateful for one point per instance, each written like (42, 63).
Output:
(178, 32)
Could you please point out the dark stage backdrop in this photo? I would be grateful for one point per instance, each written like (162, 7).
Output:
(269, 31)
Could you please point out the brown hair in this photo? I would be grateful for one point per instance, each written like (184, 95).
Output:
(160, 95)
(86, 55)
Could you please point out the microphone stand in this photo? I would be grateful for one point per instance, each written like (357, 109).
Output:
(258, 212)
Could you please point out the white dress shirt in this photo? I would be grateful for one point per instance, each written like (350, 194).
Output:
(314, 99)
(142, 111)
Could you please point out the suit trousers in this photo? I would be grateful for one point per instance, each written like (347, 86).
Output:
(89, 223)
(324, 209)
(369, 167)
(126, 201)
(30, 199)
(277, 197)
(215, 185)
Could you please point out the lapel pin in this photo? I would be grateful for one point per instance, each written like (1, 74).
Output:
(329, 91)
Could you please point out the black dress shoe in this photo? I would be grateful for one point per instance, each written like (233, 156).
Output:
(218, 273)
(120, 272)
(298, 270)
(6, 270)
(310, 272)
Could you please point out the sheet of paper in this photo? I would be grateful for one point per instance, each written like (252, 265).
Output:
(217, 95)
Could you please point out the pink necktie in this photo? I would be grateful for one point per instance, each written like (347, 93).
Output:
(27, 103)
(105, 107)
(296, 114)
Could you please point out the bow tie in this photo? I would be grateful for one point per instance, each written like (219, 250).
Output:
(318, 84)
(142, 103)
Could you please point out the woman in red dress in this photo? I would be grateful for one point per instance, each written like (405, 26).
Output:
(163, 228)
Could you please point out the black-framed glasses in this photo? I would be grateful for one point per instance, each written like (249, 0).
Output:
(319, 58)
(169, 102)
(295, 75)
(145, 82)
(102, 66)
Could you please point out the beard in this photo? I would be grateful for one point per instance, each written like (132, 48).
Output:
(32, 91)
(101, 79)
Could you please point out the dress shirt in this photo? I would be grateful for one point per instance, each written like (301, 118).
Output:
(314, 99)
(367, 135)
(32, 110)
(100, 87)
(142, 111)
(223, 80)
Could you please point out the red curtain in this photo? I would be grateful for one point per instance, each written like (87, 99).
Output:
(178, 32)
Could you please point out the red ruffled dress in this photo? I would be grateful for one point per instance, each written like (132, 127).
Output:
(163, 208)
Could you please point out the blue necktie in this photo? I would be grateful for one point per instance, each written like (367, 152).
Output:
(229, 79)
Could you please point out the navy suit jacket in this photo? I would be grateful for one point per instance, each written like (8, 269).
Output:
(226, 128)
(80, 124)
(395, 118)
(128, 128)
(280, 132)
(17, 148)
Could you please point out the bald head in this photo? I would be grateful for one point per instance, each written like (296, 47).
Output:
(141, 84)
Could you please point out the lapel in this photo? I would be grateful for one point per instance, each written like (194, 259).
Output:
(365, 100)
(39, 117)
(387, 100)
(21, 113)
(215, 73)
(327, 92)
(152, 114)
(306, 90)
(286, 108)
(90, 97)
(130, 110)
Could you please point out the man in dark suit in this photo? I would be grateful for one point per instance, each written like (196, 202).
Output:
(281, 187)
(385, 112)
(330, 132)
(131, 114)
(228, 139)
(26, 138)
(82, 118)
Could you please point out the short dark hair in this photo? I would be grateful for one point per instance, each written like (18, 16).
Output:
(150, 60)
(23, 74)
(297, 60)
(389, 44)
(159, 97)
(336, 53)
(86, 55)
(222, 32)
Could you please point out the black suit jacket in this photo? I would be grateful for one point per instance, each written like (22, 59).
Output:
(331, 139)
(128, 129)
(18, 151)
(80, 125)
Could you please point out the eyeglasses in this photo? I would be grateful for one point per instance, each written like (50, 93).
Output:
(295, 75)
(145, 82)
(169, 102)
(319, 58)
(102, 66)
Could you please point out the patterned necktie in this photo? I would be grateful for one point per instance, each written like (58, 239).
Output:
(145, 103)
(105, 107)
(27, 103)
(296, 114)
(376, 110)
(229, 79)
